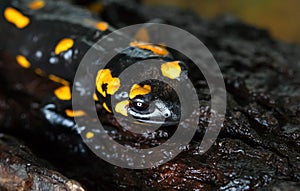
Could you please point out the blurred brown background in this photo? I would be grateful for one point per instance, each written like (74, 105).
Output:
(281, 18)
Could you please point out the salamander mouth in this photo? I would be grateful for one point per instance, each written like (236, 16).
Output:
(154, 122)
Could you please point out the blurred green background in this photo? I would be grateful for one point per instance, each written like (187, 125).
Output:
(281, 18)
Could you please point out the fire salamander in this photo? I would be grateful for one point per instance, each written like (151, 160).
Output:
(50, 39)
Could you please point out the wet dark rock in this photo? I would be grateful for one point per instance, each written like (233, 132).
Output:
(282, 186)
(21, 170)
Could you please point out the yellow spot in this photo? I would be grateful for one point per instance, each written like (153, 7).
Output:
(121, 107)
(102, 26)
(17, 18)
(89, 135)
(106, 108)
(22, 61)
(39, 72)
(64, 45)
(159, 50)
(74, 113)
(37, 4)
(139, 90)
(142, 35)
(171, 70)
(63, 93)
(104, 77)
(95, 97)
(58, 79)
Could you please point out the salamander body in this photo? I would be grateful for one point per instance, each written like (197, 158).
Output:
(50, 38)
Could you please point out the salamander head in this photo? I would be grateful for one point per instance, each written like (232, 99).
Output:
(151, 103)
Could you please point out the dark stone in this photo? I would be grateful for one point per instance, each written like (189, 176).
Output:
(21, 170)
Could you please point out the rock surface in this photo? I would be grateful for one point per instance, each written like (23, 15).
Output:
(21, 170)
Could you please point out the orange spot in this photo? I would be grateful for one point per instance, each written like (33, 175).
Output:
(39, 72)
(64, 45)
(15, 17)
(63, 93)
(95, 7)
(121, 107)
(22, 61)
(104, 77)
(37, 4)
(102, 26)
(171, 70)
(89, 135)
(155, 49)
(58, 79)
(106, 108)
(76, 113)
(139, 90)
(142, 35)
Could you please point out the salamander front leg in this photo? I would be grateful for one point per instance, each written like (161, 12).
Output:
(56, 118)
(57, 109)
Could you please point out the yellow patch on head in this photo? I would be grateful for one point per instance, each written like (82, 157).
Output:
(139, 90)
(63, 45)
(37, 4)
(74, 113)
(22, 61)
(121, 107)
(63, 93)
(104, 77)
(142, 35)
(89, 135)
(17, 18)
(171, 70)
(159, 50)
(102, 26)
(106, 107)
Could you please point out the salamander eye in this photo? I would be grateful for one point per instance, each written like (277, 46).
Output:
(139, 105)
